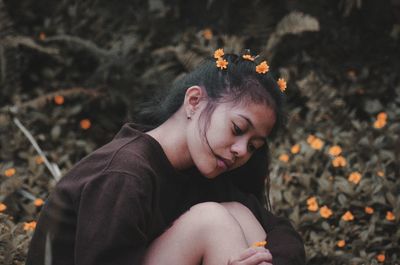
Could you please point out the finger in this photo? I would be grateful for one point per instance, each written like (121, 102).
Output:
(258, 258)
(247, 253)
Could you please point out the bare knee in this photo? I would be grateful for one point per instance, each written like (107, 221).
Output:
(208, 215)
(250, 225)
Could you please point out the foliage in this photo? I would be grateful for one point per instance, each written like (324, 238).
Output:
(73, 73)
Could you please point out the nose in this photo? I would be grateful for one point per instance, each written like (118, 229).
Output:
(240, 148)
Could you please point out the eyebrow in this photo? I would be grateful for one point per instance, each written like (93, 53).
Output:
(252, 126)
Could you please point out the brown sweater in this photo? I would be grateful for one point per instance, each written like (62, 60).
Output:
(114, 202)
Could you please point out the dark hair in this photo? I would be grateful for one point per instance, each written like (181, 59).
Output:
(239, 83)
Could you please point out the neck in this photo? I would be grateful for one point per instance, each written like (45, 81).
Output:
(171, 135)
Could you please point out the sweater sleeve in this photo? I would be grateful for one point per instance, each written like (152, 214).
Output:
(284, 243)
(112, 216)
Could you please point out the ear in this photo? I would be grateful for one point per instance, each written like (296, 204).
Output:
(193, 96)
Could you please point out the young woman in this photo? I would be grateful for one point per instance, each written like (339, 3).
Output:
(188, 191)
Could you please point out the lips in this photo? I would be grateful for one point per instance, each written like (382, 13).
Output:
(223, 162)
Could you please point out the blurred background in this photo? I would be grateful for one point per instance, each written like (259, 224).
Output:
(72, 72)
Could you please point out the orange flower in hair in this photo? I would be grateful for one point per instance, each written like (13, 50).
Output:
(248, 57)
(219, 53)
(222, 63)
(282, 84)
(262, 68)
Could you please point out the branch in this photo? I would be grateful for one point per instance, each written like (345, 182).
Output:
(15, 41)
(43, 99)
(85, 44)
(52, 167)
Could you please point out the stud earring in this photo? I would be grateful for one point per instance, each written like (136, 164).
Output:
(189, 116)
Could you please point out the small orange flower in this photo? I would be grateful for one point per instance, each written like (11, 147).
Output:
(380, 173)
(10, 172)
(85, 124)
(30, 226)
(284, 158)
(351, 74)
(3, 207)
(335, 150)
(390, 216)
(38, 202)
(378, 124)
(282, 84)
(380, 258)
(219, 53)
(381, 116)
(348, 216)
(39, 160)
(259, 244)
(317, 144)
(368, 210)
(59, 100)
(325, 212)
(313, 207)
(311, 200)
(262, 68)
(339, 161)
(222, 63)
(207, 34)
(341, 243)
(248, 57)
(310, 138)
(295, 149)
(42, 36)
(355, 177)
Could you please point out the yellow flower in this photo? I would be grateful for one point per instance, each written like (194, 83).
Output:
(42, 36)
(390, 216)
(30, 226)
(38, 202)
(282, 84)
(295, 149)
(381, 116)
(317, 144)
(248, 57)
(341, 243)
(259, 244)
(335, 150)
(313, 207)
(39, 160)
(368, 210)
(348, 216)
(380, 258)
(222, 63)
(3, 207)
(311, 200)
(355, 177)
(325, 212)
(219, 53)
(339, 161)
(378, 124)
(10, 172)
(59, 100)
(312, 204)
(207, 34)
(310, 139)
(85, 124)
(262, 68)
(380, 173)
(284, 158)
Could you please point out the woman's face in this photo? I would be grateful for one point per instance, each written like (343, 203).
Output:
(234, 133)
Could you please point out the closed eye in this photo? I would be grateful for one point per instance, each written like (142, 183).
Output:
(236, 129)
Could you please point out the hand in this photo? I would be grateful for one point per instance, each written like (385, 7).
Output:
(252, 256)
